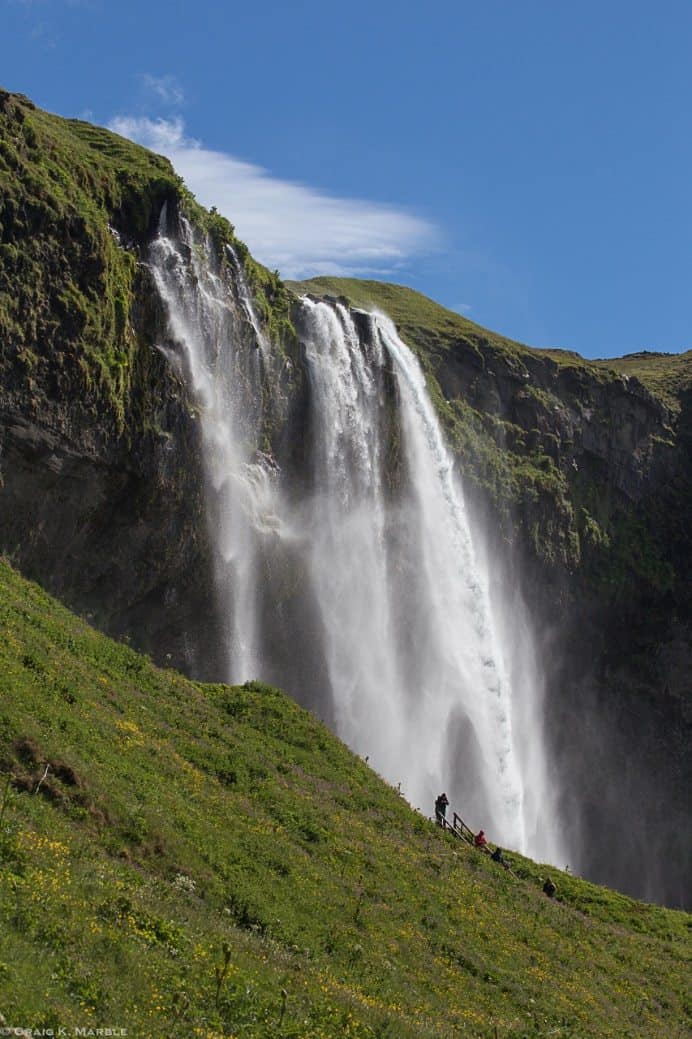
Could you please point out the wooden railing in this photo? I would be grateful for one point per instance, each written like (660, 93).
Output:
(457, 827)
(465, 831)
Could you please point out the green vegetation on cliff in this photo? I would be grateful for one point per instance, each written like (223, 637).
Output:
(78, 205)
(67, 191)
(204, 860)
(666, 376)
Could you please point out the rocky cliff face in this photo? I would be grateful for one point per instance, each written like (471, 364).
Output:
(582, 473)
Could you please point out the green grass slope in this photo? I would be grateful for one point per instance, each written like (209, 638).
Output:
(664, 375)
(180, 859)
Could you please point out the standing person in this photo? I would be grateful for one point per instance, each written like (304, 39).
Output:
(549, 888)
(441, 809)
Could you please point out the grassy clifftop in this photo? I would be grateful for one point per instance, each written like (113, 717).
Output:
(411, 311)
(667, 376)
(204, 860)
(417, 316)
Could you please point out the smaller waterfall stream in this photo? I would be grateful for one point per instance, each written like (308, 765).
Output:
(209, 345)
(247, 304)
(363, 594)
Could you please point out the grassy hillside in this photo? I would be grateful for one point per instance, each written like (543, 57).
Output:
(664, 375)
(210, 861)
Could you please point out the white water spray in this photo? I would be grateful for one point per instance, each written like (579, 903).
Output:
(347, 553)
(247, 304)
(393, 627)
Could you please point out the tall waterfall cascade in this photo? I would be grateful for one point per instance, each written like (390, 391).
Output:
(357, 583)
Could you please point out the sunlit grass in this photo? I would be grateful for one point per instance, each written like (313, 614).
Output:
(177, 819)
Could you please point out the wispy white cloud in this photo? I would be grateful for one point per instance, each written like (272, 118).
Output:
(294, 227)
(461, 308)
(164, 88)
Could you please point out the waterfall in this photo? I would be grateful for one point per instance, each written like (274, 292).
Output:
(247, 304)
(347, 548)
(414, 660)
(209, 345)
(355, 585)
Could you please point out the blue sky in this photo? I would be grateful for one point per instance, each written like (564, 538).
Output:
(529, 164)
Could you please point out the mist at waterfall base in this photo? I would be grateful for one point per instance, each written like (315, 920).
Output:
(346, 569)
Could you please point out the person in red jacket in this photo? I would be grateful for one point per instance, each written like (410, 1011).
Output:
(479, 840)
